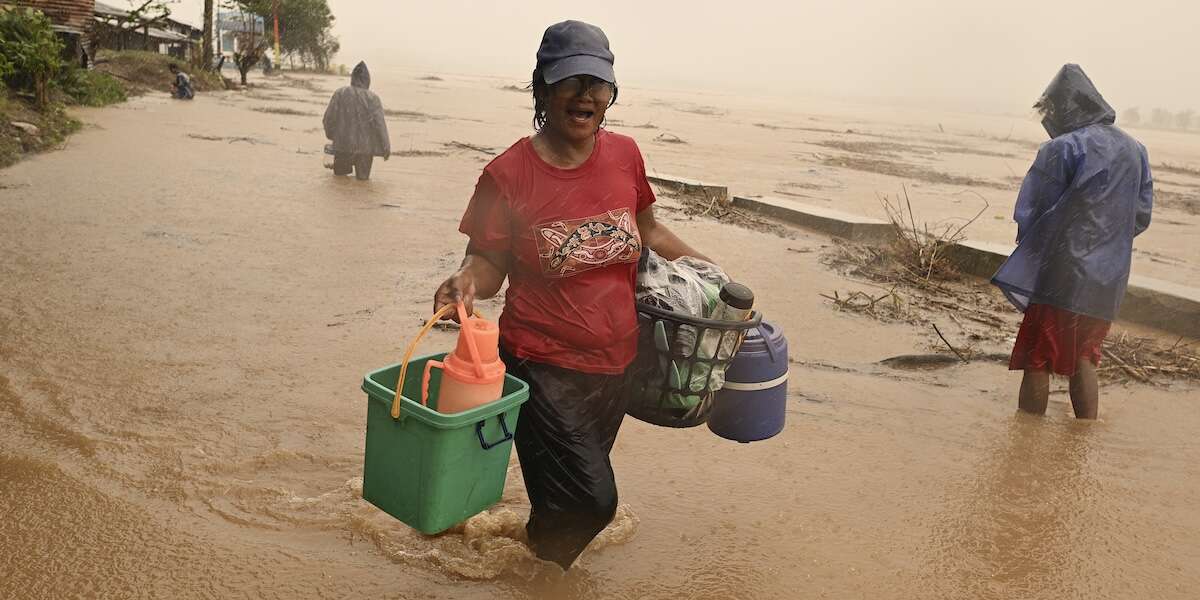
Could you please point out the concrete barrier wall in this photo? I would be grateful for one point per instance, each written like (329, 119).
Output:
(683, 185)
(980, 259)
(833, 222)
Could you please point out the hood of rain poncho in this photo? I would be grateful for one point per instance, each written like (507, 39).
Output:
(360, 77)
(1088, 193)
(1072, 102)
(354, 120)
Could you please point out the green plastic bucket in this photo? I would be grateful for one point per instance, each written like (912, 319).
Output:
(432, 470)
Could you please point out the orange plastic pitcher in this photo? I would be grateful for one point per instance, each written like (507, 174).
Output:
(473, 374)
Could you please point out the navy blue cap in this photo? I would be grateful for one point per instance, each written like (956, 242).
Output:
(575, 48)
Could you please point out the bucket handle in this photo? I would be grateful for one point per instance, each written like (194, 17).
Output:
(413, 347)
(503, 427)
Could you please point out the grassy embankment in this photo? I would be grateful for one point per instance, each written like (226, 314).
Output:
(117, 76)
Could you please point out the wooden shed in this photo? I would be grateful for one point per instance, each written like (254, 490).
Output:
(72, 20)
(68, 16)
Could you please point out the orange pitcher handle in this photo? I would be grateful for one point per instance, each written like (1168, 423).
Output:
(429, 365)
(472, 347)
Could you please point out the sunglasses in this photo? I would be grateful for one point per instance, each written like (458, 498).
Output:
(579, 85)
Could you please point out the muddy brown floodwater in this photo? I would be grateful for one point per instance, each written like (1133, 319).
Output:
(185, 322)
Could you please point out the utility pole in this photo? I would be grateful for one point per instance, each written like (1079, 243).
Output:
(207, 44)
(277, 63)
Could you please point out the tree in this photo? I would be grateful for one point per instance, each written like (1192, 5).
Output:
(327, 47)
(207, 44)
(30, 49)
(1161, 118)
(305, 28)
(149, 14)
(1183, 119)
(251, 46)
(250, 52)
(306, 31)
(1131, 117)
(6, 67)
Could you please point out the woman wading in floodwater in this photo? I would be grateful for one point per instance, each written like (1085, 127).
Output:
(564, 215)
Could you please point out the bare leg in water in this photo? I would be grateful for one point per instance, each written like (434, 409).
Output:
(1035, 391)
(1085, 390)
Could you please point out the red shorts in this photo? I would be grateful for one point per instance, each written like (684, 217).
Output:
(1053, 339)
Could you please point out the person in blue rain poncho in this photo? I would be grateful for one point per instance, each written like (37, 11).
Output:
(1087, 195)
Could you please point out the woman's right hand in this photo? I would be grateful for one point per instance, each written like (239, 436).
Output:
(460, 287)
(479, 277)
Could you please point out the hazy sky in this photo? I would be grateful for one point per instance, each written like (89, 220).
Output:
(997, 55)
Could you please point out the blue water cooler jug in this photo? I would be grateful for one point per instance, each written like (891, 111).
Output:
(753, 404)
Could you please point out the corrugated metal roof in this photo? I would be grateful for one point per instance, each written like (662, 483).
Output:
(67, 29)
(155, 32)
(109, 10)
(172, 36)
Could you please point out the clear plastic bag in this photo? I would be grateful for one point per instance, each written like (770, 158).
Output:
(687, 286)
(327, 157)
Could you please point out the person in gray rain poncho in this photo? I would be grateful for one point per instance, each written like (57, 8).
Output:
(1088, 193)
(355, 123)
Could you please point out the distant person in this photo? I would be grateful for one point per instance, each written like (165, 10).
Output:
(181, 88)
(1088, 193)
(563, 215)
(355, 123)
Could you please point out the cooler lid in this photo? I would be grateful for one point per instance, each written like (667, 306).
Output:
(761, 357)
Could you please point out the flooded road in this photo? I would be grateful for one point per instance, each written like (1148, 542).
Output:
(185, 322)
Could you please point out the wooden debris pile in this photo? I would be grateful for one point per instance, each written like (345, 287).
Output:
(1128, 357)
(888, 306)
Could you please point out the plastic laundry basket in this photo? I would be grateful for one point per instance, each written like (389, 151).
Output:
(433, 470)
(655, 397)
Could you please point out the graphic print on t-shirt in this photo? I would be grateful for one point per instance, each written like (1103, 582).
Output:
(570, 247)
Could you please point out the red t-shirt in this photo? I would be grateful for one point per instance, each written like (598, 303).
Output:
(574, 242)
